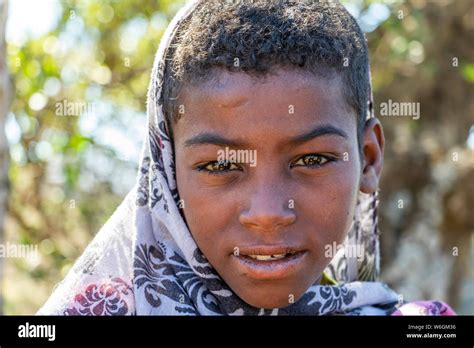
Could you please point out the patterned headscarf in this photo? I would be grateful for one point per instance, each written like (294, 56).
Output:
(145, 261)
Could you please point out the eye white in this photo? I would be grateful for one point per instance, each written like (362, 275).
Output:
(216, 166)
(316, 160)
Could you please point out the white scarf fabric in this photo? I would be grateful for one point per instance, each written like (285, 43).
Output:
(144, 260)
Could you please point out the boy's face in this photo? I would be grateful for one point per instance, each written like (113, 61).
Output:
(296, 192)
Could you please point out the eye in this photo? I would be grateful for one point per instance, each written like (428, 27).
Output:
(312, 160)
(217, 167)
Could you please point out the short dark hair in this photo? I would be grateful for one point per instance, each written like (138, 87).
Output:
(317, 36)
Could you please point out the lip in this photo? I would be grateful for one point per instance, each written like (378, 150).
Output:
(269, 270)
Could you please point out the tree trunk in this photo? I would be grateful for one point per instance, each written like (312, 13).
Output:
(428, 166)
(4, 157)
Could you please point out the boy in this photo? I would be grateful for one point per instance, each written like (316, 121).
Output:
(261, 152)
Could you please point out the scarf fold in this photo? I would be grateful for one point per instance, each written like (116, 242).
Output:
(145, 261)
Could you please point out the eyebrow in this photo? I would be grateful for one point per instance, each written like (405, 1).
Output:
(318, 131)
(215, 139)
(211, 139)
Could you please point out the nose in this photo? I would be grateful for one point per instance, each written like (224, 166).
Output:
(269, 210)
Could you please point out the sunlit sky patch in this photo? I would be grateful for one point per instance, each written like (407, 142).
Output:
(31, 18)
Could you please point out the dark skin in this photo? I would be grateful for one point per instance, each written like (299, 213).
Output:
(239, 206)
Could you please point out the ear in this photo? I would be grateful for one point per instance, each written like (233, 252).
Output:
(372, 152)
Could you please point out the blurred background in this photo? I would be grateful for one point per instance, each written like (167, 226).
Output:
(74, 76)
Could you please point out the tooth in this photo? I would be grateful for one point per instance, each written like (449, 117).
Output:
(267, 257)
(263, 257)
(278, 256)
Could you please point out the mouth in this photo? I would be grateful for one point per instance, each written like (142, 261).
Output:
(268, 257)
(269, 262)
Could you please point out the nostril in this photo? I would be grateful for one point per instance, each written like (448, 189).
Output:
(266, 222)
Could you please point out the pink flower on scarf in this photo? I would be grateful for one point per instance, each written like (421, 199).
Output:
(425, 308)
(109, 298)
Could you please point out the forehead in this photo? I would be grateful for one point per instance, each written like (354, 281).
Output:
(225, 86)
(288, 99)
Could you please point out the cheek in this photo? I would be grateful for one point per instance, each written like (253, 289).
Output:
(206, 211)
(330, 207)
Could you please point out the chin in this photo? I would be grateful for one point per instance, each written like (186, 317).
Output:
(268, 298)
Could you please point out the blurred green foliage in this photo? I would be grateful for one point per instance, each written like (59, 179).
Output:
(67, 172)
